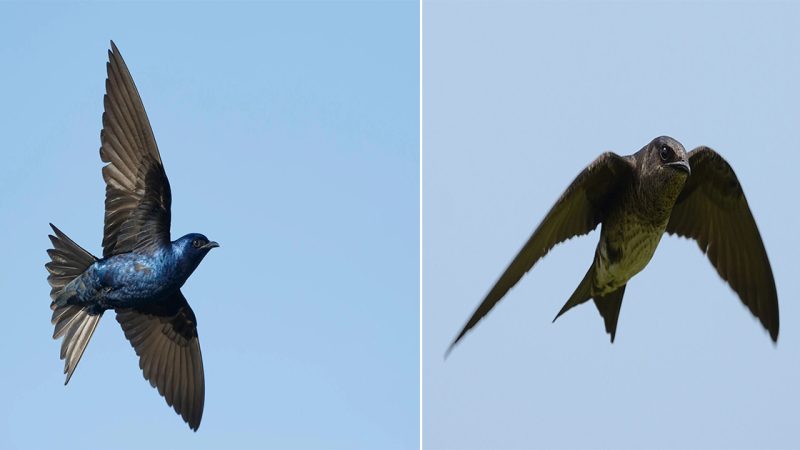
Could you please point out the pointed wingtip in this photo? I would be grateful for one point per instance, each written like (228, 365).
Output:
(113, 52)
(560, 313)
(58, 233)
(449, 349)
(194, 422)
(774, 330)
(456, 341)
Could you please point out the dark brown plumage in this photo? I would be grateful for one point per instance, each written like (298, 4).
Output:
(138, 196)
(713, 210)
(72, 322)
(577, 212)
(165, 338)
(137, 218)
(637, 198)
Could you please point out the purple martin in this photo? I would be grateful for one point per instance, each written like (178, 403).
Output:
(141, 273)
(661, 188)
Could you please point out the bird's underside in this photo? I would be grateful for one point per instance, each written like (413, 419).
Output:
(708, 206)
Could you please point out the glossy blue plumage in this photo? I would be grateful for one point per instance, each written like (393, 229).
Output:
(137, 279)
(141, 273)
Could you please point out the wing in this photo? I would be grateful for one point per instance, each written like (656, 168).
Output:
(138, 196)
(713, 210)
(165, 338)
(581, 207)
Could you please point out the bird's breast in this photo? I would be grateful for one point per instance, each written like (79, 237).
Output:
(627, 243)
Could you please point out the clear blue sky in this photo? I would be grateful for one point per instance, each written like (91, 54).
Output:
(518, 98)
(289, 132)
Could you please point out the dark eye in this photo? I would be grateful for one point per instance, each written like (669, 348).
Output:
(197, 243)
(665, 153)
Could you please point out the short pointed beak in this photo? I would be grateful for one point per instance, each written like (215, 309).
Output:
(681, 165)
(210, 245)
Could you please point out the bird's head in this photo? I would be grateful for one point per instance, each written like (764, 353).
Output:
(666, 158)
(195, 246)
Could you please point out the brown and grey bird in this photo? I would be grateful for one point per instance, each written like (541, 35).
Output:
(637, 198)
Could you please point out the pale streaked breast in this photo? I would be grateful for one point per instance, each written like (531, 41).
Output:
(638, 244)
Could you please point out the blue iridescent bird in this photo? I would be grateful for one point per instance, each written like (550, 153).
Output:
(142, 271)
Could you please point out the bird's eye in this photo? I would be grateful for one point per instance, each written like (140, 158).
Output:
(665, 153)
(197, 243)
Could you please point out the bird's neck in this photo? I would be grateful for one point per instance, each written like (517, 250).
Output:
(182, 262)
(656, 195)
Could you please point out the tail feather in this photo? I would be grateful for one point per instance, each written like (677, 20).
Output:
(77, 333)
(582, 293)
(72, 322)
(609, 306)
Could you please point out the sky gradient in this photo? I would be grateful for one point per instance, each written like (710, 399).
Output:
(290, 135)
(518, 98)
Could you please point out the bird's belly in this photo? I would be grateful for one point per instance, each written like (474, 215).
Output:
(135, 284)
(618, 264)
(137, 293)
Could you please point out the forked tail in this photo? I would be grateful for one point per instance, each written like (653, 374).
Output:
(582, 293)
(608, 305)
(72, 322)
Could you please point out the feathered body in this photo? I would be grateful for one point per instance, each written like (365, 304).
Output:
(133, 279)
(634, 226)
(636, 199)
(142, 270)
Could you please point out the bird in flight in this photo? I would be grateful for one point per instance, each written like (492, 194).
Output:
(661, 188)
(141, 272)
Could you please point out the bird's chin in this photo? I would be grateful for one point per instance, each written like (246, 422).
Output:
(680, 166)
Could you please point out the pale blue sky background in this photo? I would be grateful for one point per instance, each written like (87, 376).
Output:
(518, 98)
(289, 132)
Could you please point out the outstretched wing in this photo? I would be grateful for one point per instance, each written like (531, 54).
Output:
(581, 207)
(138, 196)
(713, 210)
(164, 336)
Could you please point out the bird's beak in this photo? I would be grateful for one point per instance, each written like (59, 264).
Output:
(210, 245)
(681, 165)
